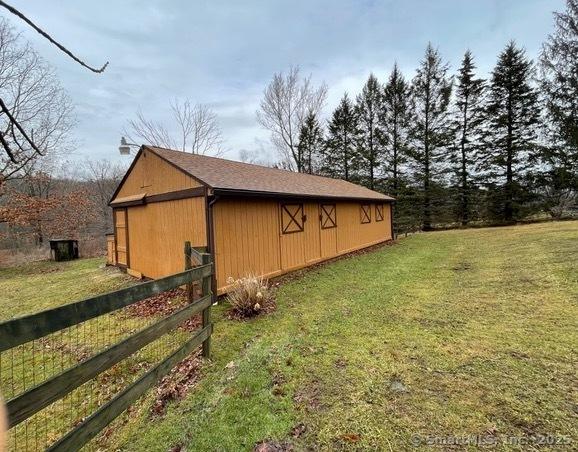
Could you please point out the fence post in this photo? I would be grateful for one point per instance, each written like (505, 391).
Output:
(188, 266)
(206, 259)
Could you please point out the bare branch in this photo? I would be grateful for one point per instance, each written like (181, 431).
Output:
(49, 38)
(149, 132)
(14, 122)
(197, 129)
(286, 102)
(35, 112)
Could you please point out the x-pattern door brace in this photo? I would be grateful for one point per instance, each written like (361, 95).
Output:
(366, 213)
(294, 219)
(379, 212)
(328, 219)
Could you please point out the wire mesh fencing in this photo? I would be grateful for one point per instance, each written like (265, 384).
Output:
(62, 386)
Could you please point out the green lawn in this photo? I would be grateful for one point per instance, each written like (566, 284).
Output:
(27, 289)
(471, 332)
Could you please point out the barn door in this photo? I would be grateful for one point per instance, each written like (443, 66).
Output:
(292, 235)
(328, 229)
(312, 240)
(121, 235)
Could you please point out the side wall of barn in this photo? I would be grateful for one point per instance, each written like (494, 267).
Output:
(262, 237)
(149, 238)
(157, 233)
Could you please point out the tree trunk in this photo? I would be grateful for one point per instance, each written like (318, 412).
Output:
(509, 192)
(465, 195)
(426, 226)
(395, 182)
(426, 195)
(345, 157)
(464, 214)
(371, 155)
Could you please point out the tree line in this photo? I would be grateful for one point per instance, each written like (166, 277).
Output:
(452, 148)
(43, 196)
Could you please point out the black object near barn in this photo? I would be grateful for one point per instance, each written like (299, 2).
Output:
(63, 249)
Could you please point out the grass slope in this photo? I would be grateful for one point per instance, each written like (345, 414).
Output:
(27, 289)
(468, 332)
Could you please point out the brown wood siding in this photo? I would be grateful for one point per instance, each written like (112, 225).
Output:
(353, 234)
(312, 236)
(110, 250)
(387, 220)
(328, 238)
(158, 232)
(152, 175)
(292, 250)
(249, 240)
(120, 233)
(246, 238)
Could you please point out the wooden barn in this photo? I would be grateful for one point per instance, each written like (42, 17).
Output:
(252, 219)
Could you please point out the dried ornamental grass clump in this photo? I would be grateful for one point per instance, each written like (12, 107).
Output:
(249, 296)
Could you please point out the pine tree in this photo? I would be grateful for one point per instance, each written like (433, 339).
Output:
(430, 134)
(559, 83)
(468, 124)
(559, 64)
(370, 137)
(340, 154)
(513, 120)
(311, 143)
(395, 119)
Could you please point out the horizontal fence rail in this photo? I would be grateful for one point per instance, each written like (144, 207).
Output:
(25, 329)
(94, 424)
(47, 392)
(57, 378)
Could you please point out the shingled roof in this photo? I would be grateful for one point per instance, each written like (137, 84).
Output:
(231, 176)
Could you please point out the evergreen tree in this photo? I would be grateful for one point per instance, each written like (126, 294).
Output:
(370, 136)
(340, 154)
(395, 119)
(559, 64)
(559, 83)
(430, 134)
(513, 119)
(310, 145)
(468, 123)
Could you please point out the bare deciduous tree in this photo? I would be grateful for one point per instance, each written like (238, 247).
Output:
(102, 177)
(196, 129)
(286, 102)
(149, 132)
(200, 130)
(18, 141)
(33, 98)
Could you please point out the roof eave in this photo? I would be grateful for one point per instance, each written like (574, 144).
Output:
(269, 194)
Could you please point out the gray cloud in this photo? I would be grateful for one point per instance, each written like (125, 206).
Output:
(223, 53)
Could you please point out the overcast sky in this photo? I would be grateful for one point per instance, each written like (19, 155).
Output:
(224, 53)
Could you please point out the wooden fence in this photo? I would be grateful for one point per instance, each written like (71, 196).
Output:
(28, 400)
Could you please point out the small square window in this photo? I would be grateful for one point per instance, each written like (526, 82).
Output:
(292, 218)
